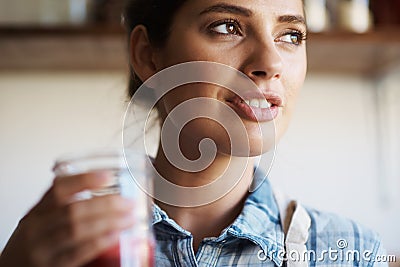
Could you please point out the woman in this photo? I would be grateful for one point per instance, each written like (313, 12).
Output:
(265, 40)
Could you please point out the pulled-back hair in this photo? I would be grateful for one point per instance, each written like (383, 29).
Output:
(157, 17)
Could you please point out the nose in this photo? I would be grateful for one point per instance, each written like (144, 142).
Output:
(263, 62)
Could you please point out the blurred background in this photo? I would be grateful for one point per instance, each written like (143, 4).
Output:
(63, 79)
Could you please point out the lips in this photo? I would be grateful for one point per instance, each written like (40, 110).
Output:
(257, 107)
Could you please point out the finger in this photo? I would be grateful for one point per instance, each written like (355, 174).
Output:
(95, 227)
(98, 206)
(64, 188)
(76, 223)
(86, 251)
(95, 209)
(72, 236)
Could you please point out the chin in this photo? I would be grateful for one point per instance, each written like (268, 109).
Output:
(255, 147)
(259, 147)
(262, 139)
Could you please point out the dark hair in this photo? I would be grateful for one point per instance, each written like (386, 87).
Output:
(157, 17)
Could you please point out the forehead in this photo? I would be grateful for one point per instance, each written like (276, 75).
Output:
(265, 8)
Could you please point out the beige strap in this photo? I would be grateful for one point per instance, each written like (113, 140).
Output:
(295, 223)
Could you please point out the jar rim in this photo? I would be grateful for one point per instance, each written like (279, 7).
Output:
(101, 153)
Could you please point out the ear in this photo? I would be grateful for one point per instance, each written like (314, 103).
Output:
(141, 53)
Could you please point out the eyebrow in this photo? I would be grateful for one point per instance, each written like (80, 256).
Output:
(225, 8)
(238, 10)
(296, 19)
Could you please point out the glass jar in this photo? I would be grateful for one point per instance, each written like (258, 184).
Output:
(136, 245)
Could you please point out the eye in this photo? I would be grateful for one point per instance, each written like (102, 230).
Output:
(226, 27)
(293, 37)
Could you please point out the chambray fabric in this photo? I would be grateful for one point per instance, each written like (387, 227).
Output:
(256, 239)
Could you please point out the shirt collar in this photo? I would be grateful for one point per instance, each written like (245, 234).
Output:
(259, 221)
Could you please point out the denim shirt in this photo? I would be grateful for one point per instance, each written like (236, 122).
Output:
(256, 238)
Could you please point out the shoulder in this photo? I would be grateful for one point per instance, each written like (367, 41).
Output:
(327, 223)
(353, 241)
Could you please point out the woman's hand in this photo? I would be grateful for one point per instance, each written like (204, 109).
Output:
(59, 233)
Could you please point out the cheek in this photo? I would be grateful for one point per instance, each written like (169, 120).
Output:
(186, 45)
(293, 81)
(182, 49)
(187, 92)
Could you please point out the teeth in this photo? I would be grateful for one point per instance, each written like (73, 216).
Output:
(265, 104)
(258, 103)
(255, 103)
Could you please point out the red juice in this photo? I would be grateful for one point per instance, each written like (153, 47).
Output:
(110, 258)
(141, 254)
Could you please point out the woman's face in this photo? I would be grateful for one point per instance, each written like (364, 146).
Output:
(264, 39)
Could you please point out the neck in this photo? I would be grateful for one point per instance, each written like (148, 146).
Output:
(230, 178)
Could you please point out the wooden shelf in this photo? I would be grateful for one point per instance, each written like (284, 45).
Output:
(105, 48)
(370, 53)
(63, 48)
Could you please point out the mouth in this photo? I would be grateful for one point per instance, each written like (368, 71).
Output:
(257, 107)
